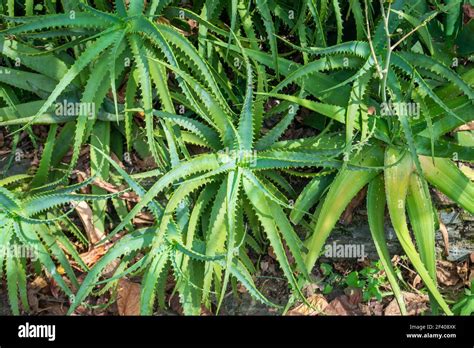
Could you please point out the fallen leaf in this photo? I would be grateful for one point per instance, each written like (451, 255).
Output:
(310, 289)
(318, 304)
(468, 13)
(143, 219)
(92, 256)
(376, 307)
(462, 270)
(416, 282)
(444, 233)
(85, 213)
(395, 260)
(347, 216)
(342, 266)
(371, 308)
(38, 283)
(128, 297)
(117, 160)
(342, 306)
(354, 295)
(81, 177)
(129, 196)
(416, 304)
(447, 273)
(241, 289)
(465, 127)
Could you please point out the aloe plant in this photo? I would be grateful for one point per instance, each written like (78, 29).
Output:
(405, 173)
(31, 232)
(240, 178)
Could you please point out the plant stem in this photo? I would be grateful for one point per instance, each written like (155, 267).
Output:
(386, 17)
(369, 38)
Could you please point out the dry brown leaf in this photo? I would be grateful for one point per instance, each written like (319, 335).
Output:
(310, 289)
(129, 196)
(416, 282)
(81, 177)
(395, 260)
(85, 213)
(347, 216)
(444, 233)
(92, 256)
(241, 289)
(38, 283)
(465, 127)
(354, 295)
(342, 306)
(373, 307)
(128, 298)
(463, 272)
(468, 13)
(318, 304)
(415, 304)
(447, 273)
(143, 219)
(117, 160)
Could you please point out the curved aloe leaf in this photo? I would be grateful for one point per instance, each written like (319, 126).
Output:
(397, 179)
(343, 189)
(446, 177)
(376, 204)
(420, 211)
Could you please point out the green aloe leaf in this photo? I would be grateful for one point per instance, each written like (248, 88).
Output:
(397, 179)
(376, 204)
